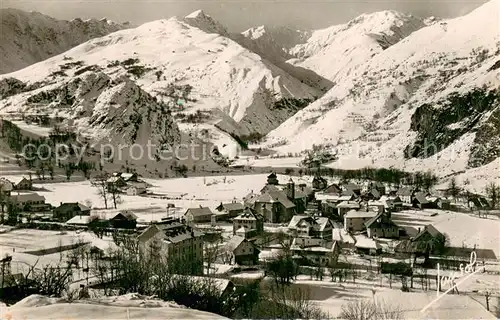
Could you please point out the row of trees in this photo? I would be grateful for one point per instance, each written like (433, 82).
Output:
(422, 180)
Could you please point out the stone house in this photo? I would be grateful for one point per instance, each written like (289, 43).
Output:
(230, 210)
(315, 252)
(178, 242)
(21, 183)
(242, 251)
(275, 207)
(406, 194)
(313, 227)
(198, 215)
(123, 220)
(381, 226)
(68, 210)
(346, 206)
(354, 221)
(249, 223)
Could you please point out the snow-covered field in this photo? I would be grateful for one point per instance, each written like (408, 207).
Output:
(18, 242)
(463, 229)
(195, 191)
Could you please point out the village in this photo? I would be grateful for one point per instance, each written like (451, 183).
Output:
(343, 232)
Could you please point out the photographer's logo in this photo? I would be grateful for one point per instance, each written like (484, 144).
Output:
(468, 271)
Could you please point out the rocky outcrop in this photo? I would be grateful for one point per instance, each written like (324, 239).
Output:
(439, 126)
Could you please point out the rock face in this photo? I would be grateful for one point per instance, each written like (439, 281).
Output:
(438, 126)
(115, 111)
(30, 37)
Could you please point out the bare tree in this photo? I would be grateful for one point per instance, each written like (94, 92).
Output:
(101, 183)
(289, 303)
(212, 252)
(114, 192)
(365, 309)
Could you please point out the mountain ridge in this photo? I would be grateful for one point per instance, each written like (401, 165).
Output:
(30, 37)
(368, 118)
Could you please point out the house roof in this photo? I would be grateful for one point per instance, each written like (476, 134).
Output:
(349, 204)
(127, 215)
(360, 214)
(272, 175)
(405, 191)
(148, 233)
(248, 214)
(235, 206)
(72, 206)
(270, 187)
(172, 231)
(427, 229)
(274, 196)
(333, 189)
(351, 186)
(421, 198)
(380, 221)
(127, 176)
(202, 211)
(479, 201)
(16, 180)
(318, 223)
(249, 199)
(375, 193)
(234, 243)
(364, 242)
(81, 220)
(114, 179)
(324, 246)
(26, 196)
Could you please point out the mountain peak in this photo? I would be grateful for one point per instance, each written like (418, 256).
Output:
(196, 14)
(204, 22)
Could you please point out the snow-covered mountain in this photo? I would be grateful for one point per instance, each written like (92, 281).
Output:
(207, 81)
(273, 44)
(30, 37)
(337, 51)
(419, 93)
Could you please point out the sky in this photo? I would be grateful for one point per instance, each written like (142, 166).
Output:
(238, 15)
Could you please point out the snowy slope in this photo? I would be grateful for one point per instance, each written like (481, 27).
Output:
(130, 306)
(274, 44)
(188, 68)
(30, 37)
(337, 51)
(215, 73)
(369, 116)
